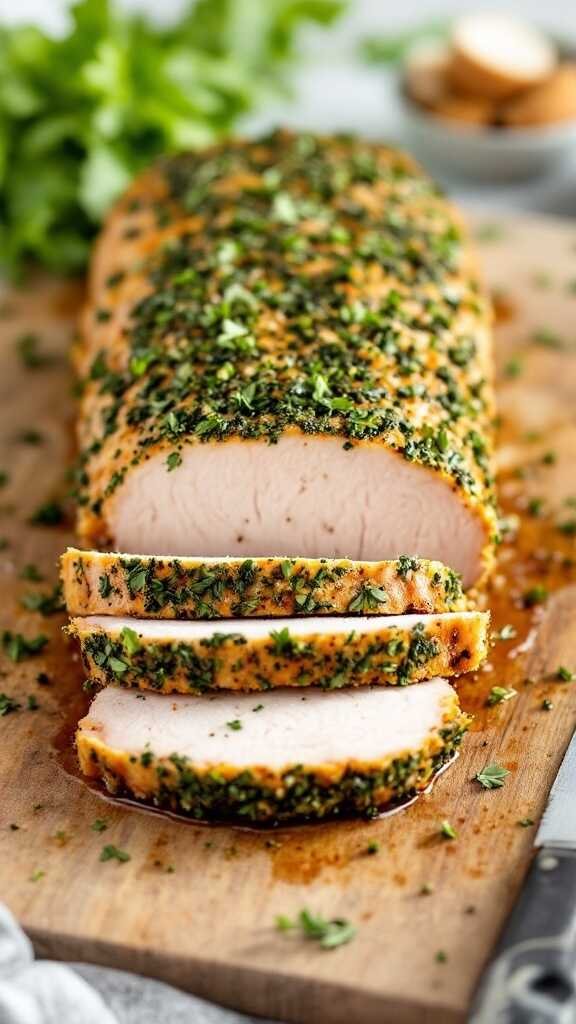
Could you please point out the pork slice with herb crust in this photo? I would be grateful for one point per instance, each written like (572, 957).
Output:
(173, 656)
(277, 757)
(287, 349)
(144, 586)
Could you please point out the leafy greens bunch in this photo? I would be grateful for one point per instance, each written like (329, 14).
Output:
(81, 114)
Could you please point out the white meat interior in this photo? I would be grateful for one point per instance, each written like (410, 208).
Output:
(302, 497)
(278, 728)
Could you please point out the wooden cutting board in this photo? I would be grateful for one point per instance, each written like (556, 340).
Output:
(196, 906)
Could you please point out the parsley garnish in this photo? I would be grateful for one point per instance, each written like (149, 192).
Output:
(535, 595)
(130, 641)
(49, 514)
(8, 704)
(565, 675)
(235, 724)
(28, 349)
(111, 852)
(447, 831)
(328, 934)
(99, 825)
(492, 776)
(18, 647)
(32, 573)
(46, 604)
(499, 694)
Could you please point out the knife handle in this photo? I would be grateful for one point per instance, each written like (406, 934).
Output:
(532, 979)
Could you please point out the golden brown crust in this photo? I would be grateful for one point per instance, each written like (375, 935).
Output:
(393, 655)
(380, 261)
(144, 586)
(260, 794)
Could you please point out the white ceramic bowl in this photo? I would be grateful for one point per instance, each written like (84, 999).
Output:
(486, 154)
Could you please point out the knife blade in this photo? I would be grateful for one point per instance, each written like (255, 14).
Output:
(532, 977)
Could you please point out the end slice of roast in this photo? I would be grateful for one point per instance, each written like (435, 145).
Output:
(174, 656)
(282, 757)
(146, 586)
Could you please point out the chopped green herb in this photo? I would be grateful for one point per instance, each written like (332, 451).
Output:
(549, 458)
(130, 641)
(99, 825)
(4, 478)
(49, 514)
(568, 527)
(111, 852)
(372, 848)
(46, 604)
(28, 349)
(547, 338)
(328, 934)
(535, 595)
(564, 674)
(235, 724)
(33, 704)
(32, 573)
(441, 957)
(8, 704)
(173, 460)
(37, 875)
(447, 831)
(499, 694)
(492, 776)
(525, 822)
(534, 507)
(30, 436)
(18, 647)
(513, 368)
(259, 707)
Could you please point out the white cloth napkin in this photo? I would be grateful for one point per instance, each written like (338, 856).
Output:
(45, 992)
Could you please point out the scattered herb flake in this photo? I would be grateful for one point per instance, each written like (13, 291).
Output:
(50, 513)
(329, 934)
(8, 704)
(99, 825)
(32, 573)
(18, 647)
(447, 831)
(235, 724)
(499, 694)
(565, 675)
(492, 776)
(111, 852)
(534, 595)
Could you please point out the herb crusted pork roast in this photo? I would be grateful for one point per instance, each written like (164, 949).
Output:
(286, 351)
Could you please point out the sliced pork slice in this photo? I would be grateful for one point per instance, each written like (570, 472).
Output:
(173, 656)
(99, 583)
(287, 350)
(285, 756)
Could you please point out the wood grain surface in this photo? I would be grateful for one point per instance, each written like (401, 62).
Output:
(196, 906)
